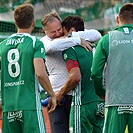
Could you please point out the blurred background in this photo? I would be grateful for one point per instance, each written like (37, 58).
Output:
(97, 14)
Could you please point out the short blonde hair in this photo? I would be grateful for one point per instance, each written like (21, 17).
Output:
(50, 18)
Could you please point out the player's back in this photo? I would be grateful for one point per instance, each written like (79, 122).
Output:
(84, 59)
(18, 77)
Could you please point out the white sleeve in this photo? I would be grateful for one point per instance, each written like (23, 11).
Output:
(91, 35)
(59, 44)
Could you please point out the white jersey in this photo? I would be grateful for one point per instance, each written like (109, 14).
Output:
(58, 73)
(55, 64)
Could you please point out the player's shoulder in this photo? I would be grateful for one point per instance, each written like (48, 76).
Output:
(45, 38)
(3, 42)
(38, 41)
(104, 37)
(68, 52)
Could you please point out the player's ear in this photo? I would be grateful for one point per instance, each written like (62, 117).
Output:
(33, 23)
(72, 29)
(43, 29)
(117, 19)
(15, 23)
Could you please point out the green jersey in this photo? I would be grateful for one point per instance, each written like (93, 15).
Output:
(19, 85)
(102, 55)
(0, 86)
(85, 91)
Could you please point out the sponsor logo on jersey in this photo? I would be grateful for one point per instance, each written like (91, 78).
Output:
(125, 109)
(12, 116)
(7, 84)
(117, 42)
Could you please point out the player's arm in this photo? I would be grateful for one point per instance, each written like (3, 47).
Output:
(40, 70)
(0, 86)
(44, 81)
(0, 97)
(91, 35)
(61, 44)
(72, 80)
(98, 64)
(0, 56)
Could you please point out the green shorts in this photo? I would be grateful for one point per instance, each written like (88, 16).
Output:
(117, 118)
(87, 118)
(23, 122)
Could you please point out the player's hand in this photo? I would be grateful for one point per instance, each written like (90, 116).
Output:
(59, 98)
(52, 104)
(87, 45)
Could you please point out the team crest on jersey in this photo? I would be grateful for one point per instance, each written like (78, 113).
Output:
(65, 56)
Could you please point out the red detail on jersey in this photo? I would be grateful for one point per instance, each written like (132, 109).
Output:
(71, 64)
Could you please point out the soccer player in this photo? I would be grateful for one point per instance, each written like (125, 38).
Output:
(115, 50)
(22, 58)
(87, 108)
(51, 22)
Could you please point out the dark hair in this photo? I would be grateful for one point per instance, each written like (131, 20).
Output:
(24, 16)
(75, 22)
(126, 13)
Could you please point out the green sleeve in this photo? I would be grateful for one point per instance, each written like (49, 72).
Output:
(0, 56)
(39, 50)
(98, 64)
(69, 54)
